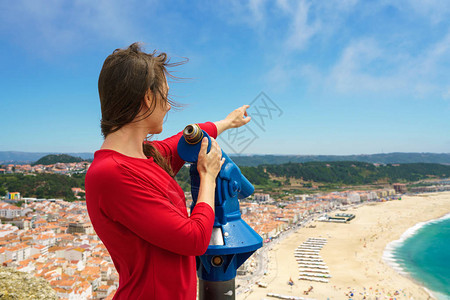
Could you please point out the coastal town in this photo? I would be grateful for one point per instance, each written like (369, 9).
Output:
(54, 239)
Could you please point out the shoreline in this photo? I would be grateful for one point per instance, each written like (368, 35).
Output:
(355, 253)
(390, 258)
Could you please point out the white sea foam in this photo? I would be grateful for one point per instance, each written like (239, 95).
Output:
(390, 258)
(437, 295)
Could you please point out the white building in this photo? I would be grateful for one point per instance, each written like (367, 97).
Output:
(29, 268)
(300, 197)
(9, 211)
(104, 291)
(39, 249)
(106, 272)
(2, 255)
(261, 197)
(46, 239)
(18, 253)
(353, 198)
(6, 229)
(76, 253)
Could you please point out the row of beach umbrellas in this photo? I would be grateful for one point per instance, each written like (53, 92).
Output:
(311, 265)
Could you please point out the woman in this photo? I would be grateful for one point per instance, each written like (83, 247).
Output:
(136, 207)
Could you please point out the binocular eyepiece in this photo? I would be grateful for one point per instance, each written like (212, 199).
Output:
(193, 134)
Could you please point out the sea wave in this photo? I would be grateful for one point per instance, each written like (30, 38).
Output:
(396, 263)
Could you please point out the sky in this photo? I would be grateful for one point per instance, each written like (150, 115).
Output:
(322, 77)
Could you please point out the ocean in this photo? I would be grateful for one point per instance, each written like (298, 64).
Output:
(423, 253)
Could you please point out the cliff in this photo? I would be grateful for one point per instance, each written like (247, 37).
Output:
(19, 285)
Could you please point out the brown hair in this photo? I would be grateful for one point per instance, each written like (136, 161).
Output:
(125, 78)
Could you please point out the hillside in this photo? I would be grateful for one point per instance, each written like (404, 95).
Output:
(19, 157)
(346, 172)
(42, 185)
(357, 172)
(57, 158)
(382, 158)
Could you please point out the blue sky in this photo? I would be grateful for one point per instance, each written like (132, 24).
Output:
(338, 77)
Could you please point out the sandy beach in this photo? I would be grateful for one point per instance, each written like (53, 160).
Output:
(353, 253)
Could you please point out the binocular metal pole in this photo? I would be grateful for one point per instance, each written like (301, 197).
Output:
(216, 290)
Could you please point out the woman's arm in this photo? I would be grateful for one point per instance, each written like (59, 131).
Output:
(168, 147)
(235, 119)
(208, 166)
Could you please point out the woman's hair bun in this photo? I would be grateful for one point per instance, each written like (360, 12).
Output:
(135, 47)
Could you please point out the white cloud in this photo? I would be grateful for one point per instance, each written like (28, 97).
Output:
(446, 94)
(367, 66)
(284, 5)
(257, 9)
(296, 22)
(353, 70)
(50, 25)
(356, 71)
(302, 30)
(436, 11)
(252, 13)
(435, 56)
(368, 61)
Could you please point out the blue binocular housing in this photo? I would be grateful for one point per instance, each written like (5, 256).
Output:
(233, 241)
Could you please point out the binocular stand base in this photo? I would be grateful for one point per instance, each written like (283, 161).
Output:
(216, 290)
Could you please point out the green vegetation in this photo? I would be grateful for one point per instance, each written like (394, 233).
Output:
(258, 176)
(330, 175)
(42, 185)
(57, 158)
(382, 158)
(354, 173)
(183, 179)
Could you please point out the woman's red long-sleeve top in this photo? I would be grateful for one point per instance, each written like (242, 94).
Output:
(139, 212)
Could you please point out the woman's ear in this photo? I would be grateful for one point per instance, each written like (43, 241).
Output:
(148, 98)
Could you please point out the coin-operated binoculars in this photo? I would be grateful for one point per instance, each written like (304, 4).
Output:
(233, 241)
